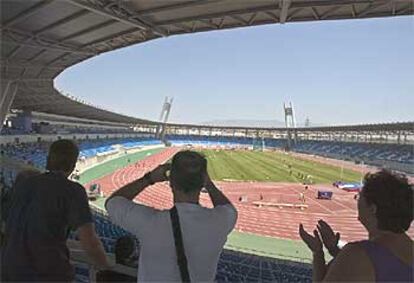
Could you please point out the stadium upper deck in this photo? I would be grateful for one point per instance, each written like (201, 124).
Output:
(41, 38)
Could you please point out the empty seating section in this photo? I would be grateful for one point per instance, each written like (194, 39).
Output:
(241, 267)
(349, 150)
(35, 153)
(62, 129)
(223, 141)
(208, 140)
(108, 232)
(88, 130)
(92, 148)
(134, 144)
(81, 273)
(361, 151)
(11, 131)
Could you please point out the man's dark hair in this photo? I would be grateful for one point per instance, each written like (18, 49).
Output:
(188, 170)
(62, 156)
(393, 197)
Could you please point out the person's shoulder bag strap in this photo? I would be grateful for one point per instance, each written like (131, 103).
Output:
(179, 246)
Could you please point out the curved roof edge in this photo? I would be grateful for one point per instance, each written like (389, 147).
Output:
(44, 97)
(398, 126)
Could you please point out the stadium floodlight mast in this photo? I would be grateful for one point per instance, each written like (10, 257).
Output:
(165, 113)
(290, 122)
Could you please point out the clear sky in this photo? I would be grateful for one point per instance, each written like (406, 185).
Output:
(335, 72)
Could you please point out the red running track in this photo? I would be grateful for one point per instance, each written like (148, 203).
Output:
(340, 212)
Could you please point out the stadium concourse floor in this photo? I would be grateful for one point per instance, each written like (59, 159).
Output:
(263, 230)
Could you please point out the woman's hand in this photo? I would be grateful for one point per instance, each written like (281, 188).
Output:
(314, 242)
(329, 238)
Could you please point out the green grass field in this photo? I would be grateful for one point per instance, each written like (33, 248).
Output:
(271, 166)
(109, 167)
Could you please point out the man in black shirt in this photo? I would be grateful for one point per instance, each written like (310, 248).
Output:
(6, 196)
(44, 209)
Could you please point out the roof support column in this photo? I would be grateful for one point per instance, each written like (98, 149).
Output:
(8, 92)
(284, 10)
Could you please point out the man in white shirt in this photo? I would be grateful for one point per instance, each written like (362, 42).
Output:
(204, 231)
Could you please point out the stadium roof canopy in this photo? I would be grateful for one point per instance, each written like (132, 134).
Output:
(385, 127)
(39, 39)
